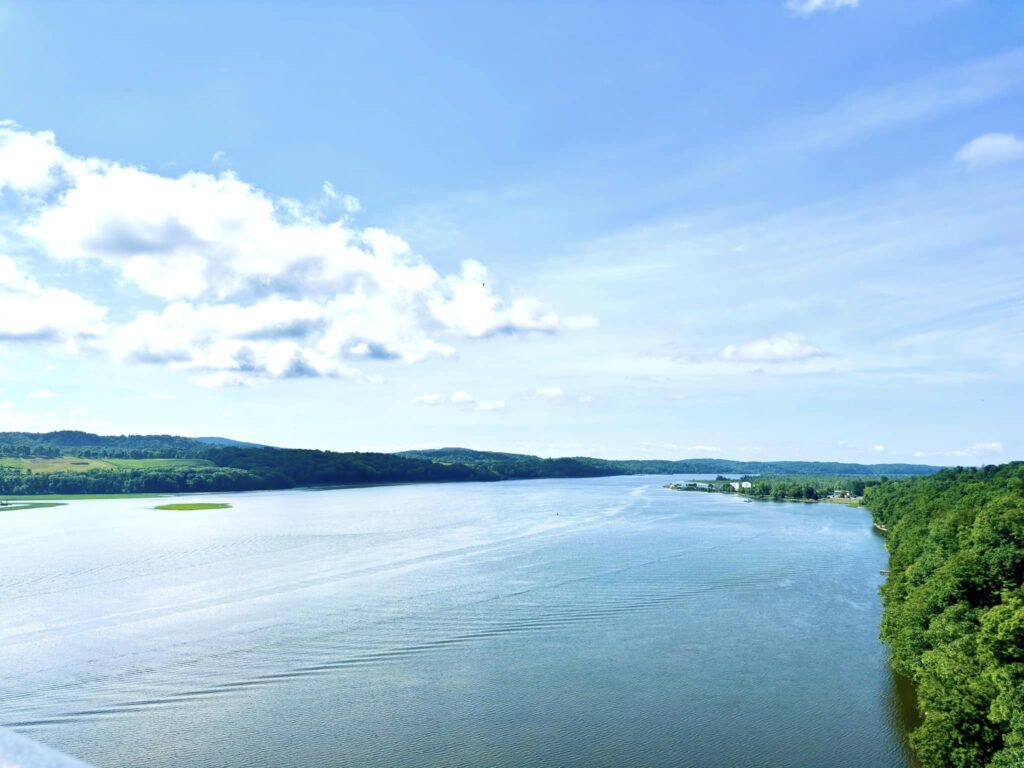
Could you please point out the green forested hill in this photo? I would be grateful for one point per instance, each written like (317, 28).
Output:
(954, 609)
(89, 445)
(519, 466)
(509, 462)
(70, 462)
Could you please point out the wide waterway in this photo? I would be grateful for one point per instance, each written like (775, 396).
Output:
(600, 622)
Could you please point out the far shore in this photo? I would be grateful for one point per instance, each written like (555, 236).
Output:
(710, 486)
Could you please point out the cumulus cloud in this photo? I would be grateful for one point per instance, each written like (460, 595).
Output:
(250, 287)
(781, 348)
(43, 394)
(878, 448)
(807, 7)
(32, 313)
(29, 162)
(991, 149)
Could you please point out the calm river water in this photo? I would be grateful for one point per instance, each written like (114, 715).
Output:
(604, 622)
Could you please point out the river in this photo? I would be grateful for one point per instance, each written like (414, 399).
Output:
(584, 623)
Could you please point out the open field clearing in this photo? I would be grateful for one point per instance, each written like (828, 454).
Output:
(79, 464)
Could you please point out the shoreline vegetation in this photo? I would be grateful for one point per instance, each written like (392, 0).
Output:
(953, 609)
(848, 490)
(81, 464)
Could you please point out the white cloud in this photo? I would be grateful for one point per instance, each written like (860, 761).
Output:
(782, 348)
(29, 162)
(253, 287)
(879, 448)
(993, 447)
(459, 399)
(991, 149)
(558, 395)
(549, 393)
(432, 398)
(807, 7)
(976, 449)
(43, 394)
(466, 400)
(581, 322)
(490, 405)
(348, 203)
(32, 313)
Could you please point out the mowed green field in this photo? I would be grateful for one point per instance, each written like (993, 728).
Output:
(77, 464)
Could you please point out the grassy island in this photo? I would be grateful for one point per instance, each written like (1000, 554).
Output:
(194, 507)
(10, 506)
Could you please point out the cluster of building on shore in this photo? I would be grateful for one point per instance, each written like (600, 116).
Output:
(703, 486)
(738, 486)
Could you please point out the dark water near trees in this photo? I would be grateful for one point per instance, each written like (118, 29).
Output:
(580, 623)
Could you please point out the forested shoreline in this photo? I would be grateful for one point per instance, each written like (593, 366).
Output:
(218, 464)
(954, 609)
(848, 489)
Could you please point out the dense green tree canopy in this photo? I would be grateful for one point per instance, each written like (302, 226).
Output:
(954, 609)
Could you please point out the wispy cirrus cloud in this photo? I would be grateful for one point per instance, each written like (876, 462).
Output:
(977, 449)
(863, 114)
(555, 394)
(990, 449)
(459, 398)
(808, 7)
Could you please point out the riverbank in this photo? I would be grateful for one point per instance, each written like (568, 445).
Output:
(751, 493)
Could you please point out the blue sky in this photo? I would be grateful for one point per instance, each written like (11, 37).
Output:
(746, 229)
